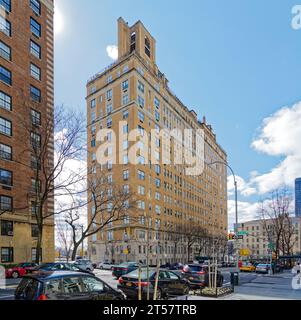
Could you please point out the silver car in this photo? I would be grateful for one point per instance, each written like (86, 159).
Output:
(84, 264)
(106, 265)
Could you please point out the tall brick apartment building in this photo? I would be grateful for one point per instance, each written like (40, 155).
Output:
(135, 91)
(26, 93)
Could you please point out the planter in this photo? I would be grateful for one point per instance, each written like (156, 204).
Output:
(216, 293)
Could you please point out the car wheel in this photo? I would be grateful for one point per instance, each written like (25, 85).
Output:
(159, 294)
(186, 290)
(15, 275)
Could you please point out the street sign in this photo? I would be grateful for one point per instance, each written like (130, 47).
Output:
(126, 251)
(238, 237)
(243, 233)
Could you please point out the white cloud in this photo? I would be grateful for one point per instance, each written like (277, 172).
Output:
(112, 52)
(58, 21)
(243, 187)
(280, 135)
(247, 211)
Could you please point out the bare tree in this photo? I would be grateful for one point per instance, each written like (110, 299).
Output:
(288, 236)
(108, 204)
(50, 143)
(274, 213)
(64, 238)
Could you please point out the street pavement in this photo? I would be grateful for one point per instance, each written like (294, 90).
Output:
(252, 287)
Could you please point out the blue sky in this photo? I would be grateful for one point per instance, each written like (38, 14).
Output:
(235, 61)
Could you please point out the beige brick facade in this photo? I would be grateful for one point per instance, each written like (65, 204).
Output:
(141, 96)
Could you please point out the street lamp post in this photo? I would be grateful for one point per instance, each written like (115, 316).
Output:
(236, 206)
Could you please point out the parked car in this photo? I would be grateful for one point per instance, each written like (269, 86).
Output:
(195, 274)
(106, 265)
(247, 267)
(174, 266)
(20, 270)
(59, 266)
(84, 264)
(59, 285)
(263, 268)
(169, 284)
(124, 268)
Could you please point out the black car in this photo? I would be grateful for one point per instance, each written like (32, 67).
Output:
(169, 284)
(62, 285)
(174, 266)
(124, 268)
(198, 276)
(59, 266)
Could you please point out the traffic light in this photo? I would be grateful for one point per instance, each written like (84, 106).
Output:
(231, 236)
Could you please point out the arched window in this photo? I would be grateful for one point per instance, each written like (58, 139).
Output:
(147, 47)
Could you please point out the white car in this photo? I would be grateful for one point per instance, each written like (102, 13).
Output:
(84, 264)
(106, 265)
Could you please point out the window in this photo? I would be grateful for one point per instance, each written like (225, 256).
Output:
(35, 27)
(34, 254)
(141, 101)
(109, 122)
(141, 116)
(35, 71)
(5, 127)
(5, 101)
(7, 255)
(93, 103)
(158, 209)
(92, 285)
(125, 160)
(140, 86)
(109, 94)
(6, 203)
(5, 152)
(141, 190)
(5, 51)
(141, 205)
(5, 26)
(35, 140)
(141, 175)
(157, 115)
(126, 189)
(36, 6)
(34, 231)
(125, 99)
(34, 208)
(110, 235)
(125, 85)
(35, 163)
(133, 41)
(147, 47)
(125, 145)
(6, 5)
(157, 103)
(35, 117)
(6, 177)
(158, 183)
(109, 79)
(35, 94)
(7, 228)
(125, 129)
(5, 75)
(109, 108)
(35, 49)
(141, 131)
(125, 115)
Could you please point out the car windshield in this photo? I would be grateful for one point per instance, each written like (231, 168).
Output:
(262, 265)
(135, 274)
(194, 268)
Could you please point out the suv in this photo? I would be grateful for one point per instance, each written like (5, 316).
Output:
(65, 286)
(106, 265)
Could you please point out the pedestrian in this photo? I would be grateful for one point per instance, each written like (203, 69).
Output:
(298, 268)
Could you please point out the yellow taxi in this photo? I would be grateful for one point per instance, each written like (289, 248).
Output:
(247, 267)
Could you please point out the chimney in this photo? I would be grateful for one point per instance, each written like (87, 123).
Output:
(204, 120)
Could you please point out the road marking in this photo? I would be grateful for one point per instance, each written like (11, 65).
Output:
(6, 297)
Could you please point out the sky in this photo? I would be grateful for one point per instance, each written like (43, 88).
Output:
(237, 62)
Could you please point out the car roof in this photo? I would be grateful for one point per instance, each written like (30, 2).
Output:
(44, 276)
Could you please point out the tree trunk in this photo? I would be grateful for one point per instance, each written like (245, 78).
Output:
(74, 251)
(39, 246)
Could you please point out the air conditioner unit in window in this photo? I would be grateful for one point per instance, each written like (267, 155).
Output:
(10, 233)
